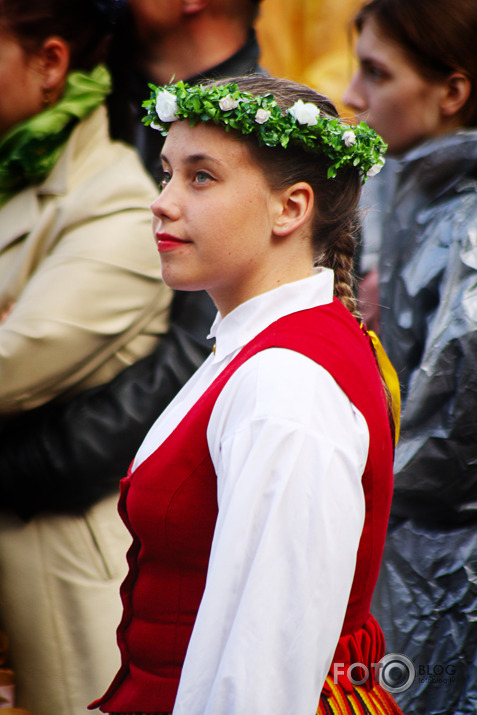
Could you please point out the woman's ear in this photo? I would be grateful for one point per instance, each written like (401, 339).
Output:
(295, 208)
(54, 57)
(457, 90)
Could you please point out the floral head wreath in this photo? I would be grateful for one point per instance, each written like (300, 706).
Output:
(304, 124)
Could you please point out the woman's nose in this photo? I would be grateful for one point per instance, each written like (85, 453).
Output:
(166, 204)
(353, 97)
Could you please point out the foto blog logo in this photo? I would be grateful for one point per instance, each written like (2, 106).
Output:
(394, 672)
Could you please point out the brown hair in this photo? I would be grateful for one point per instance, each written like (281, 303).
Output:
(438, 37)
(334, 223)
(79, 22)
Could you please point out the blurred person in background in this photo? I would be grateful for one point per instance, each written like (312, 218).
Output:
(416, 85)
(190, 40)
(81, 298)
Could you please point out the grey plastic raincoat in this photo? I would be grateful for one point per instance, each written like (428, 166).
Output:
(426, 598)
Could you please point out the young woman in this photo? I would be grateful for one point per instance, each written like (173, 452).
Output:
(81, 298)
(419, 90)
(258, 501)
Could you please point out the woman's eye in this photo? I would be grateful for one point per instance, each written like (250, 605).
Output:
(202, 177)
(164, 179)
(373, 72)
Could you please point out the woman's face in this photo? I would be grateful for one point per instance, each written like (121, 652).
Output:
(20, 84)
(154, 17)
(389, 94)
(213, 218)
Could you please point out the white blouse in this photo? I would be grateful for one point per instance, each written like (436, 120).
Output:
(289, 450)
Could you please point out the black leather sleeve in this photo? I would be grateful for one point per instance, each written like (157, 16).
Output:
(65, 457)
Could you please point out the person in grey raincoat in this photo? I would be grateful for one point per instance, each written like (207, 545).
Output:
(419, 91)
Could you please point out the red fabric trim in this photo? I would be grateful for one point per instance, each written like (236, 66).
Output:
(365, 646)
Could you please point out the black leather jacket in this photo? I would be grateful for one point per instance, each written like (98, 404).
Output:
(65, 457)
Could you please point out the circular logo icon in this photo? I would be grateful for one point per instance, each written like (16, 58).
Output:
(396, 672)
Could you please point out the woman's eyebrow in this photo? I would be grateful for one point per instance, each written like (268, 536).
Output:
(195, 158)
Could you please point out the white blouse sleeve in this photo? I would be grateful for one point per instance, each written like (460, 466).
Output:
(289, 451)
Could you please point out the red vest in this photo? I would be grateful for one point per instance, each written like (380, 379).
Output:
(169, 505)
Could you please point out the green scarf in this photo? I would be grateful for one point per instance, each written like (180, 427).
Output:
(29, 151)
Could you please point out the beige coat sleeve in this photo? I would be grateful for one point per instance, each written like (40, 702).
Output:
(93, 301)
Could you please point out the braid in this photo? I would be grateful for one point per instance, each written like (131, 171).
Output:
(340, 259)
(335, 234)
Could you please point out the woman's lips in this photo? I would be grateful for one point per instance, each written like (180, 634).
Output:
(167, 242)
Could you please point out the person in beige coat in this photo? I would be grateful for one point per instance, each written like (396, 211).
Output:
(80, 299)
(79, 268)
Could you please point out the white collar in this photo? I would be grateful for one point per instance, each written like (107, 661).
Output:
(250, 318)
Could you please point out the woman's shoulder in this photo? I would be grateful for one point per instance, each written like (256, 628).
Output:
(278, 384)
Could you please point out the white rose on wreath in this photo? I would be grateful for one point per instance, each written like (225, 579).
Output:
(166, 106)
(375, 169)
(305, 113)
(262, 116)
(227, 103)
(349, 137)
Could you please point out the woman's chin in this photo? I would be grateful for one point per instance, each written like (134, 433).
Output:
(179, 282)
